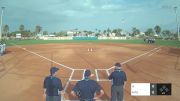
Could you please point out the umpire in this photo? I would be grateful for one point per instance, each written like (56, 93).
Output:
(119, 79)
(52, 86)
(87, 89)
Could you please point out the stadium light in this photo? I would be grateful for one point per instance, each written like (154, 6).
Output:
(175, 10)
(1, 22)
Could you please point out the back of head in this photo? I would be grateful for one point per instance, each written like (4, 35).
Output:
(53, 70)
(117, 66)
(87, 73)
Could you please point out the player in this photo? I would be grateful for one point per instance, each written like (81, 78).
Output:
(52, 86)
(119, 79)
(1, 49)
(87, 89)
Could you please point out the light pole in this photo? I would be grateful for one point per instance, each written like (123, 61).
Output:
(1, 22)
(175, 9)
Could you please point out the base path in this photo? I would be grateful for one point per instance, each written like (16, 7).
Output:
(25, 67)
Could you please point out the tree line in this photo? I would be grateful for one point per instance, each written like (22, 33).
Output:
(157, 30)
(24, 32)
(151, 32)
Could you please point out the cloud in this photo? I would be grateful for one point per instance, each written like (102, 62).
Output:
(67, 14)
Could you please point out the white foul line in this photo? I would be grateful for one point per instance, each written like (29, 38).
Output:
(135, 57)
(154, 52)
(45, 58)
(107, 70)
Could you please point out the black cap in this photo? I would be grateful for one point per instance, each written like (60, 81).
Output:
(53, 70)
(117, 66)
(87, 73)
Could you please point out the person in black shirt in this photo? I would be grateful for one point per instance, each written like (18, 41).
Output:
(119, 79)
(52, 86)
(86, 89)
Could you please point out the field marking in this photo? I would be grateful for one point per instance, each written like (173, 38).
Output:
(83, 74)
(104, 80)
(67, 83)
(97, 76)
(154, 52)
(43, 57)
(135, 57)
(107, 70)
(79, 69)
(96, 70)
(101, 69)
(75, 80)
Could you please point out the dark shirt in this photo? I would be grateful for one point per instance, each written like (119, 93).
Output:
(52, 85)
(86, 89)
(118, 77)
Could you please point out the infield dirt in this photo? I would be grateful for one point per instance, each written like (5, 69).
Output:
(22, 73)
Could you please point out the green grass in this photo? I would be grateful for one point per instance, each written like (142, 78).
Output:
(137, 41)
(171, 43)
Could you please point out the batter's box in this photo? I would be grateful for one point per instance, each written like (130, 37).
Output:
(102, 74)
(78, 74)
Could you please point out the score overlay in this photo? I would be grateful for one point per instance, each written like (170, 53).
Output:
(150, 89)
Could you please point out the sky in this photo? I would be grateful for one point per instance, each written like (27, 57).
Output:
(63, 15)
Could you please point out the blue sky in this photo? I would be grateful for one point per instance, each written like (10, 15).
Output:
(58, 15)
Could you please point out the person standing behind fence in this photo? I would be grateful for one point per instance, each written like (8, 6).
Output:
(52, 86)
(87, 89)
(119, 79)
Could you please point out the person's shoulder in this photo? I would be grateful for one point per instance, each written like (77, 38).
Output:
(93, 81)
(113, 72)
(81, 81)
(47, 77)
(56, 78)
(123, 72)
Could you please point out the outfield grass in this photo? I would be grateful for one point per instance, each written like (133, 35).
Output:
(137, 41)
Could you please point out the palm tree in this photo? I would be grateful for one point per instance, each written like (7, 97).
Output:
(104, 32)
(166, 33)
(38, 29)
(6, 30)
(119, 30)
(149, 32)
(21, 28)
(157, 29)
(45, 32)
(99, 31)
(108, 32)
(135, 31)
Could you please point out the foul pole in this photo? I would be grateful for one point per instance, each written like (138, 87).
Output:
(1, 22)
(175, 9)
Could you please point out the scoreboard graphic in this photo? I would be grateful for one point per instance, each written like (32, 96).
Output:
(150, 89)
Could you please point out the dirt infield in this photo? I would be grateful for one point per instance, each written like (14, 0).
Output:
(23, 68)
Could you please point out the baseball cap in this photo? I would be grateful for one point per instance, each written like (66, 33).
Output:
(87, 73)
(53, 70)
(117, 66)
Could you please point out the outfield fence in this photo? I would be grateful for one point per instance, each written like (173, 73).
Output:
(82, 38)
